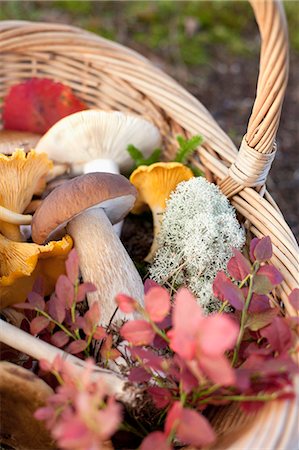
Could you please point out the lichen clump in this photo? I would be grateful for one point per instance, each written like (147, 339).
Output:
(199, 230)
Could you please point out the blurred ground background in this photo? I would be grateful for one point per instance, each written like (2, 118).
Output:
(211, 48)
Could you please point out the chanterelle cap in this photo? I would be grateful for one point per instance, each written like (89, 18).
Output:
(111, 192)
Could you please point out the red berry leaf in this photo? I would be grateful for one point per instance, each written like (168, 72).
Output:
(64, 290)
(99, 333)
(260, 320)
(271, 273)
(76, 346)
(91, 319)
(195, 429)
(107, 351)
(238, 266)
(126, 303)
(262, 284)
(138, 332)
(139, 375)
(258, 303)
(253, 244)
(160, 396)
(36, 300)
(60, 339)
(294, 298)
(84, 289)
(263, 249)
(72, 266)
(149, 284)
(148, 357)
(38, 324)
(44, 101)
(39, 286)
(225, 289)
(56, 309)
(24, 305)
(157, 303)
(278, 335)
(156, 440)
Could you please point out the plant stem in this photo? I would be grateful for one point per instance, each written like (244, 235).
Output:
(242, 398)
(62, 327)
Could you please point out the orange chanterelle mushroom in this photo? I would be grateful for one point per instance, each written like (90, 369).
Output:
(21, 176)
(21, 263)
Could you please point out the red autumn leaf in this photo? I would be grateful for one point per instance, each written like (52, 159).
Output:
(139, 375)
(99, 333)
(91, 319)
(271, 273)
(72, 266)
(126, 303)
(38, 324)
(44, 101)
(294, 298)
(76, 346)
(138, 332)
(262, 285)
(84, 289)
(107, 351)
(260, 320)
(263, 249)
(148, 357)
(278, 335)
(59, 339)
(225, 289)
(36, 300)
(149, 284)
(157, 303)
(64, 290)
(39, 286)
(238, 266)
(56, 309)
(156, 440)
(24, 305)
(253, 244)
(160, 396)
(258, 303)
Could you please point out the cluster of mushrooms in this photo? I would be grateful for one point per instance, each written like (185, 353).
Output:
(69, 191)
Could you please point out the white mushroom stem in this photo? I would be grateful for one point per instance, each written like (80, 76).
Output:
(104, 165)
(157, 213)
(104, 262)
(38, 349)
(6, 215)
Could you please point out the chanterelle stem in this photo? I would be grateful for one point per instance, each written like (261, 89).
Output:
(104, 262)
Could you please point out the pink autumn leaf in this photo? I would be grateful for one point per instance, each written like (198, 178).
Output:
(226, 290)
(263, 249)
(56, 309)
(262, 284)
(36, 300)
(38, 324)
(107, 350)
(91, 318)
(156, 440)
(258, 303)
(256, 321)
(238, 266)
(64, 290)
(149, 284)
(126, 303)
(157, 303)
(139, 375)
(72, 266)
(84, 289)
(271, 273)
(217, 369)
(24, 305)
(148, 358)
(160, 396)
(138, 332)
(253, 244)
(59, 339)
(294, 298)
(39, 286)
(278, 335)
(194, 429)
(218, 333)
(99, 333)
(76, 346)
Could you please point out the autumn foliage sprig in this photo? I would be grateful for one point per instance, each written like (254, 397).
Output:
(186, 360)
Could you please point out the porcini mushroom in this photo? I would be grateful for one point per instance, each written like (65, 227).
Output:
(10, 140)
(21, 393)
(21, 263)
(86, 206)
(97, 141)
(21, 175)
(154, 184)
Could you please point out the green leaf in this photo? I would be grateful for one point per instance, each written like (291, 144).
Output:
(187, 147)
(139, 159)
(197, 172)
(260, 320)
(135, 154)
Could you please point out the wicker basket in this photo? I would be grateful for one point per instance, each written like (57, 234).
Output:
(109, 76)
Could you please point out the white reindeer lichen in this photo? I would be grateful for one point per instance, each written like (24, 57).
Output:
(199, 230)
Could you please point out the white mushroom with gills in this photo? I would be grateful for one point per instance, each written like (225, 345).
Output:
(87, 206)
(97, 141)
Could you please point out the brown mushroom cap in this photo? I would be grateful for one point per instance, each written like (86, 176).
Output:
(21, 393)
(111, 192)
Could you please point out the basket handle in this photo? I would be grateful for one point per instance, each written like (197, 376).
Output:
(258, 146)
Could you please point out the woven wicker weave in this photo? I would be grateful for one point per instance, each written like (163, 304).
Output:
(109, 76)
